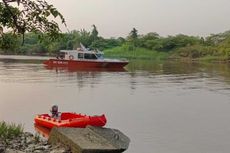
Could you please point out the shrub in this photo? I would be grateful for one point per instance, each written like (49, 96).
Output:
(9, 131)
(196, 51)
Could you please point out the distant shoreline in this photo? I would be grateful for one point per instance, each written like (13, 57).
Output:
(145, 54)
(142, 54)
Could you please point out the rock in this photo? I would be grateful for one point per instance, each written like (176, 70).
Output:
(39, 148)
(29, 140)
(44, 142)
(47, 147)
(59, 150)
(30, 148)
(27, 134)
(38, 151)
(2, 148)
(13, 151)
(90, 139)
(26, 143)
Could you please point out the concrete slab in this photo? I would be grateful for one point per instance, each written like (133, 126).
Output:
(90, 139)
(114, 136)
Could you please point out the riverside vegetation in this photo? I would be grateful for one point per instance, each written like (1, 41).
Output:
(13, 139)
(134, 46)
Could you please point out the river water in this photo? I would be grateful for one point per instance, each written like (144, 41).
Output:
(166, 107)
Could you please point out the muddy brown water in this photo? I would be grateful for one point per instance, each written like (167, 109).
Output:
(164, 107)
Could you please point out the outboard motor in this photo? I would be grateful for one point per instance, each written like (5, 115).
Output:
(54, 111)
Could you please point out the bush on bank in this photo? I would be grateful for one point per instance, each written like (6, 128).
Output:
(9, 131)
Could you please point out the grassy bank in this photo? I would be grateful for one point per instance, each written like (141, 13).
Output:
(142, 53)
(137, 53)
(221, 59)
(9, 131)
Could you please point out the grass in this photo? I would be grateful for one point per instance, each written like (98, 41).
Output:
(137, 53)
(9, 131)
(37, 137)
(210, 58)
(145, 54)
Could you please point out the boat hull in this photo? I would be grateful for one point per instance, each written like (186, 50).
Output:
(70, 120)
(86, 64)
(42, 130)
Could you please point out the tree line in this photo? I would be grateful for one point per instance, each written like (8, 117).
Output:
(179, 45)
(32, 30)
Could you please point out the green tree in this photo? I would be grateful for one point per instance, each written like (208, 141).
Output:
(173, 42)
(133, 35)
(9, 43)
(100, 44)
(94, 33)
(85, 37)
(150, 41)
(21, 16)
(133, 39)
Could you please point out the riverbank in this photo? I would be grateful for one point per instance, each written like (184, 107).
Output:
(26, 143)
(141, 54)
(137, 53)
(145, 54)
(14, 140)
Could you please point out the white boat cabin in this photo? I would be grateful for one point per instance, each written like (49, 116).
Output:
(80, 55)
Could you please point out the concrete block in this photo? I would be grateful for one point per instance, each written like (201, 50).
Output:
(114, 136)
(90, 139)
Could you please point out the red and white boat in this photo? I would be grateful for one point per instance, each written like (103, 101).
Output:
(83, 58)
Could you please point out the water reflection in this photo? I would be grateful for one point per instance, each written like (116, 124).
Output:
(138, 73)
(181, 70)
(176, 67)
(82, 76)
(73, 69)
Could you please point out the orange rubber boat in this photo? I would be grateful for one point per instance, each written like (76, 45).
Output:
(69, 120)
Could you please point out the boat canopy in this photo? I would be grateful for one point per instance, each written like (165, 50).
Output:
(81, 54)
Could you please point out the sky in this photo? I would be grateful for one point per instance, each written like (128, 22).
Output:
(115, 18)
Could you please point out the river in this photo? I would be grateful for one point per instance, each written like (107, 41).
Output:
(164, 107)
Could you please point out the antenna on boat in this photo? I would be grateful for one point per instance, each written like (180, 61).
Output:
(83, 47)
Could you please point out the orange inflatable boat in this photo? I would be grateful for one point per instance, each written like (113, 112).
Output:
(69, 120)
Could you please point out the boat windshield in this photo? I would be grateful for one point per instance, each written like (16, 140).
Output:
(90, 56)
(100, 56)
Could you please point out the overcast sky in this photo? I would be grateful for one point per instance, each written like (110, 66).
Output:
(115, 18)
